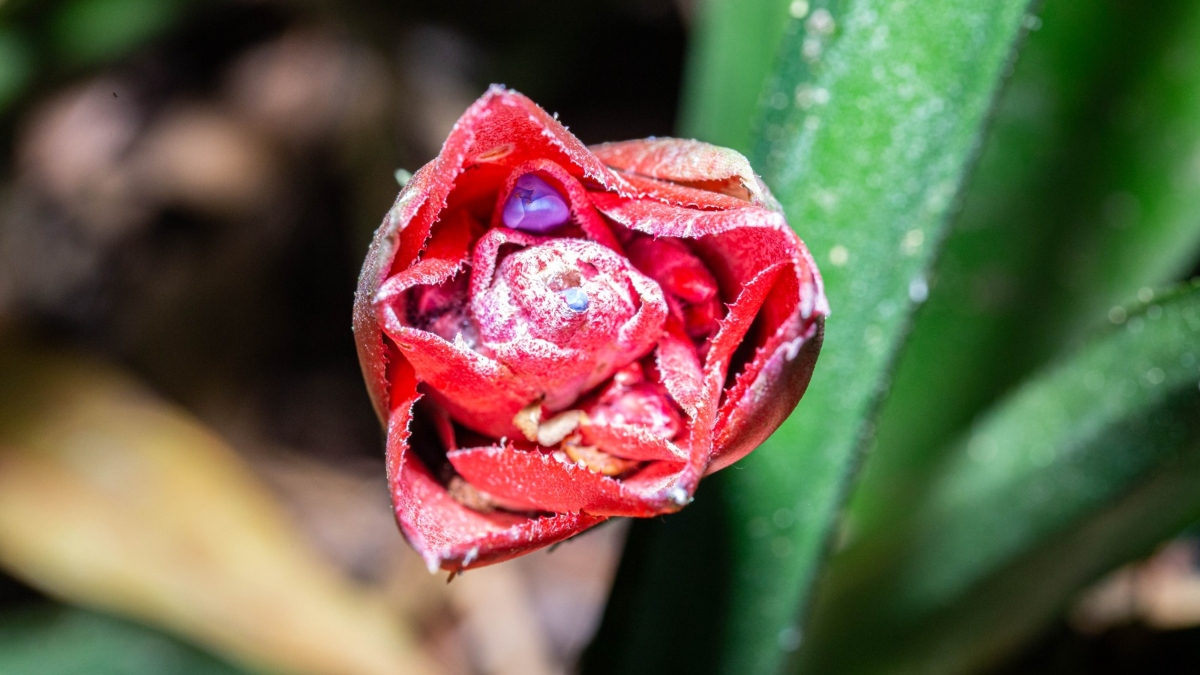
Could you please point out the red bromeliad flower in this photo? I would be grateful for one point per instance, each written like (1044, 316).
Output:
(574, 333)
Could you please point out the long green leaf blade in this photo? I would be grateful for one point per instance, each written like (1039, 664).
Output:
(733, 49)
(1087, 191)
(872, 117)
(867, 173)
(1089, 464)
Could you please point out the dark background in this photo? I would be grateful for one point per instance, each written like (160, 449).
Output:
(187, 189)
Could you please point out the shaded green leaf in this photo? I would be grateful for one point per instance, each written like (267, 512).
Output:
(733, 49)
(16, 64)
(86, 32)
(1091, 463)
(54, 640)
(1087, 191)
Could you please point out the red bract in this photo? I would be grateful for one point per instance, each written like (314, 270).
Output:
(555, 334)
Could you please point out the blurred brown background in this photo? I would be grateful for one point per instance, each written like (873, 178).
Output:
(186, 193)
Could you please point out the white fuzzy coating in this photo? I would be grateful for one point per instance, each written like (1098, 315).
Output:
(526, 322)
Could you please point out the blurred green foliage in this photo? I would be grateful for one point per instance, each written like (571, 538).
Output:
(731, 57)
(50, 39)
(1087, 192)
(48, 639)
(1084, 199)
(1087, 464)
(86, 32)
(16, 64)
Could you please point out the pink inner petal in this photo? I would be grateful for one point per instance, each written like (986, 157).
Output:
(564, 314)
(539, 481)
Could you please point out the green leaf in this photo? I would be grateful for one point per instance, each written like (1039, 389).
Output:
(733, 49)
(1087, 191)
(1088, 465)
(873, 115)
(16, 64)
(87, 32)
(55, 640)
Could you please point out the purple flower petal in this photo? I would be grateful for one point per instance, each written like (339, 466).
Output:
(535, 206)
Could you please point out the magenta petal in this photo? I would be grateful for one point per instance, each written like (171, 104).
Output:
(767, 391)
(535, 481)
(684, 161)
(682, 374)
(561, 345)
(446, 534)
(631, 442)
(451, 536)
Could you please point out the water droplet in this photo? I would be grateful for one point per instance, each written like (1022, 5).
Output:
(810, 49)
(576, 299)
(838, 256)
(470, 556)
(679, 496)
(807, 96)
(798, 9)
(879, 37)
(789, 638)
(783, 518)
(821, 22)
(981, 448)
(758, 528)
(918, 290)
(1042, 456)
(804, 97)
(913, 241)
(781, 547)
(873, 336)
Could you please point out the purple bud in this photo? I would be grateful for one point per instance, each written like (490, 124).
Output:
(535, 206)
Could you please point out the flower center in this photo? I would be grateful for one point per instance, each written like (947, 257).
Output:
(576, 299)
(567, 314)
